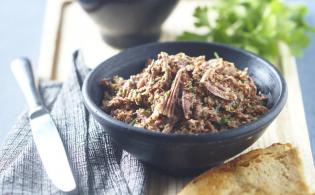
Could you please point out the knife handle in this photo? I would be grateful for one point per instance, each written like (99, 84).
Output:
(23, 73)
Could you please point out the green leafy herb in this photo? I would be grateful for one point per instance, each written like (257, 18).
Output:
(202, 14)
(257, 26)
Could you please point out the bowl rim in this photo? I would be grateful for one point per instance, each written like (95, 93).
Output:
(244, 130)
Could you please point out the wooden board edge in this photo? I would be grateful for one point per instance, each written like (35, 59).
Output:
(50, 38)
(300, 123)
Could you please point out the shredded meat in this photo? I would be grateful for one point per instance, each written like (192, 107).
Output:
(187, 103)
(171, 99)
(183, 94)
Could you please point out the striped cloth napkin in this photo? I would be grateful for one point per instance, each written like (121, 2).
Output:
(98, 164)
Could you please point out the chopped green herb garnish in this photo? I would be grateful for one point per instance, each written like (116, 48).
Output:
(192, 90)
(216, 55)
(147, 111)
(133, 122)
(224, 121)
(189, 87)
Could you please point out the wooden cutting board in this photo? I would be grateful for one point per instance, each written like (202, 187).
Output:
(67, 28)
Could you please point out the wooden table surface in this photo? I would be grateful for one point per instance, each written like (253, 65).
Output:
(67, 28)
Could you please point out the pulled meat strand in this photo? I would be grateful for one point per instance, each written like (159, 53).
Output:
(171, 100)
(187, 103)
(208, 81)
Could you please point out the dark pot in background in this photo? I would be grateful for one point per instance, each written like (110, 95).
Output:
(126, 23)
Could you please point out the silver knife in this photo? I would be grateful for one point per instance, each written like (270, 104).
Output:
(45, 134)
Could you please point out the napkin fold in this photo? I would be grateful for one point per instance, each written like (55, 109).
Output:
(99, 165)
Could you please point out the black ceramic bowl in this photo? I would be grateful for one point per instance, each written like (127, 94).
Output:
(182, 153)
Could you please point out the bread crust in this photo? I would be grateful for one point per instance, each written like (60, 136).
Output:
(276, 169)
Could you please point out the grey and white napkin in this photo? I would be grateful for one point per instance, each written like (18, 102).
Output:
(98, 164)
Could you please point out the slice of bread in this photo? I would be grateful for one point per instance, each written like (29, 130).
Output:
(274, 170)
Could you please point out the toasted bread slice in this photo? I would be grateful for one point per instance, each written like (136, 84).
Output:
(274, 170)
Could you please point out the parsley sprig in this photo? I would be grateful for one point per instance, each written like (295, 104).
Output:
(257, 26)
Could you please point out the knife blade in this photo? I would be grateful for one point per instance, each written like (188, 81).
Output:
(45, 134)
